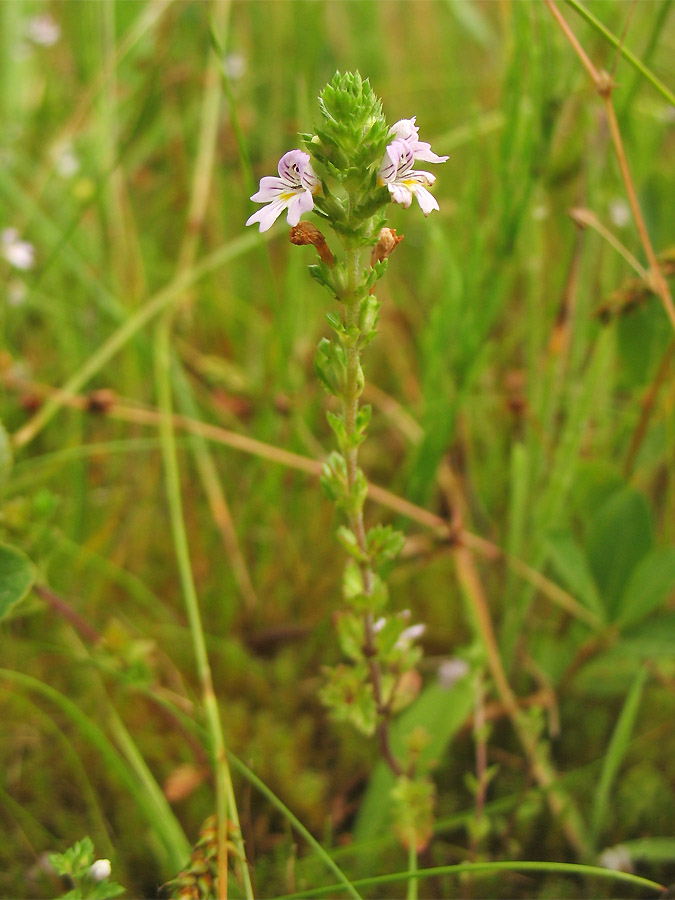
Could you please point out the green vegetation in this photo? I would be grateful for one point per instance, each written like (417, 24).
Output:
(169, 566)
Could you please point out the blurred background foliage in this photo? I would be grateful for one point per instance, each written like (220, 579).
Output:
(494, 379)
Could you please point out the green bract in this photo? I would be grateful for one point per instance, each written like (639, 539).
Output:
(351, 139)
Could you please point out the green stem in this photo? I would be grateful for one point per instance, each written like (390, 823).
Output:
(489, 867)
(350, 401)
(624, 51)
(224, 790)
(412, 869)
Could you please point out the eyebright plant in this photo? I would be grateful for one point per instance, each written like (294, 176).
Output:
(87, 877)
(352, 166)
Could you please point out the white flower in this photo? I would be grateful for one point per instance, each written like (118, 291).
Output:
(408, 635)
(617, 858)
(451, 670)
(406, 130)
(100, 870)
(292, 190)
(619, 212)
(403, 183)
(43, 30)
(19, 254)
(235, 66)
(66, 163)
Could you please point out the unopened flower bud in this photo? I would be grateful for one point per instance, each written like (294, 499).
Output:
(306, 233)
(100, 870)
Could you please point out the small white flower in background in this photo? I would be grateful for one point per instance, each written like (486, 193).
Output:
(43, 30)
(450, 671)
(379, 624)
(235, 66)
(19, 254)
(293, 190)
(100, 870)
(617, 858)
(66, 163)
(408, 635)
(406, 130)
(403, 183)
(619, 212)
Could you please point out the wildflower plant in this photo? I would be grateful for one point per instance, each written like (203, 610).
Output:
(352, 166)
(87, 876)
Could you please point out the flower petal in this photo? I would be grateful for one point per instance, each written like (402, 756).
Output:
(397, 162)
(423, 151)
(268, 215)
(300, 203)
(405, 129)
(270, 187)
(292, 165)
(427, 201)
(421, 177)
(400, 193)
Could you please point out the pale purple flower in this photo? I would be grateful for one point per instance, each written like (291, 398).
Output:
(43, 30)
(406, 130)
(409, 635)
(403, 183)
(451, 670)
(19, 254)
(293, 190)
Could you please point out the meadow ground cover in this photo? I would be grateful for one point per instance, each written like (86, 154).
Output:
(170, 569)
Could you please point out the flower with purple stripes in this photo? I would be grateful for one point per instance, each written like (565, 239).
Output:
(396, 172)
(293, 190)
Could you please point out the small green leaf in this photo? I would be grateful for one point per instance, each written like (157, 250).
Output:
(572, 567)
(337, 423)
(369, 314)
(648, 586)
(335, 322)
(350, 696)
(330, 365)
(651, 849)
(651, 639)
(17, 575)
(348, 540)
(619, 536)
(351, 635)
(616, 751)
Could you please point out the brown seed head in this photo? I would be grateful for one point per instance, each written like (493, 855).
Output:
(387, 242)
(306, 233)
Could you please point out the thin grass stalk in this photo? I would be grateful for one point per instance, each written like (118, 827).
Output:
(197, 207)
(224, 789)
(637, 64)
(475, 868)
(412, 870)
(605, 87)
(259, 785)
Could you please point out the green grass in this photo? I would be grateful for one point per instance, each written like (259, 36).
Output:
(500, 371)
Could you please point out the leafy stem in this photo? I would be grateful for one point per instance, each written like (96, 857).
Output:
(350, 408)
